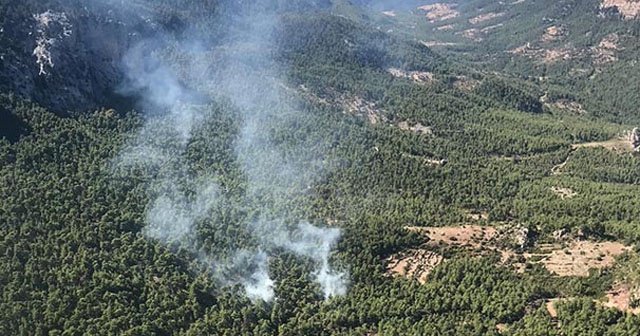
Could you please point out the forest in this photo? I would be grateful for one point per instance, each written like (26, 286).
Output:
(152, 180)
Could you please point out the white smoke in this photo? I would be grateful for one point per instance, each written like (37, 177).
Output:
(252, 81)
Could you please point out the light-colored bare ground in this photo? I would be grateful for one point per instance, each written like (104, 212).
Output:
(465, 83)
(440, 11)
(414, 263)
(445, 27)
(579, 256)
(349, 104)
(517, 2)
(487, 29)
(547, 56)
(476, 216)
(419, 77)
(556, 170)
(427, 161)
(363, 107)
(438, 43)
(485, 17)
(473, 34)
(553, 33)
(572, 259)
(630, 9)
(618, 297)
(415, 127)
(563, 192)
(620, 144)
(389, 13)
(569, 106)
(550, 305)
(472, 235)
(605, 51)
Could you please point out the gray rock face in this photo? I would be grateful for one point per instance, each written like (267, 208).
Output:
(65, 61)
(635, 139)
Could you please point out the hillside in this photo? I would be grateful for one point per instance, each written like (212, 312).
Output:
(318, 168)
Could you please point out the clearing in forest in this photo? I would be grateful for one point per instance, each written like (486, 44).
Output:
(440, 11)
(618, 144)
(572, 258)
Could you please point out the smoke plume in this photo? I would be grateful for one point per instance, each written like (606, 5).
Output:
(245, 74)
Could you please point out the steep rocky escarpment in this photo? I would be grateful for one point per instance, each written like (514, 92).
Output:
(65, 58)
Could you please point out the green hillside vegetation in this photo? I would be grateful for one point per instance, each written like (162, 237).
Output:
(74, 258)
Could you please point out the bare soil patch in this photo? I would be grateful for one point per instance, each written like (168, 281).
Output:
(553, 33)
(487, 29)
(630, 9)
(477, 215)
(573, 258)
(550, 305)
(605, 51)
(618, 297)
(474, 34)
(465, 83)
(620, 144)
(472, 235)
(389, 13)
(569, 106)
(485, 17)
(440, 11)
(415, 127)
(419, 77)
(414, 263)
(578, 257)
(349, 104)
(547, 56)
(427, 161)
(445, 27)
(563, 192)
(438, 43)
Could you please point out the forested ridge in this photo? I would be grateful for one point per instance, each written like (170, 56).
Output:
(371, 132)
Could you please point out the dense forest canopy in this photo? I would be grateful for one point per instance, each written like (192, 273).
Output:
(318, 168)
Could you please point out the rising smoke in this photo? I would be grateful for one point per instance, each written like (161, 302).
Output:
(251, 80)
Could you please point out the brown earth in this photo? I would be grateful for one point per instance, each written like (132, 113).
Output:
(487, 29)
(620, 144)
(440, 11)
(419, 77)
(605, 51)
(473, 33)
(414, 263)
(578, 257)
(465, 83)
(547, 56)
(563, 192)
(445, 27)
(438, 43)
(485, 17)
(473, 235)
(417, 127)
(628, 8)
(349, 104)
(573, 258)
(427, 161)
(618, 297)
(553, 33)
(569, 106)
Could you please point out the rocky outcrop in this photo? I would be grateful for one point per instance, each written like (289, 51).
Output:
(635, 139)
(66, 59)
